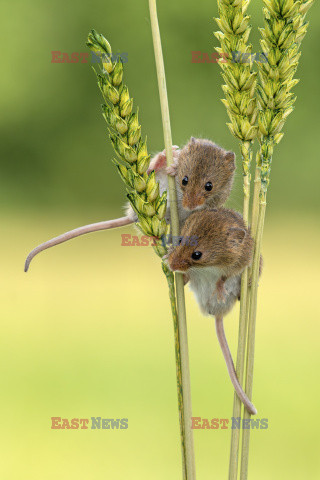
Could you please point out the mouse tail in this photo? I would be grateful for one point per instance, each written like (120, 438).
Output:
(230, 366)
(93, 227)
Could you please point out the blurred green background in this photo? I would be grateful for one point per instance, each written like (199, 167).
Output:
(88, 331)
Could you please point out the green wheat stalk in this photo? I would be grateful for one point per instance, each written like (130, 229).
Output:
(240, 103)
(143, 189)
(284, 29)
(189, 470)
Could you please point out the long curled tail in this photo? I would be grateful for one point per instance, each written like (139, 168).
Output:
(230, 366)
(93, 227)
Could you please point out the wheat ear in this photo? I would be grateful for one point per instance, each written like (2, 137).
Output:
(284, 29)
(240, 102)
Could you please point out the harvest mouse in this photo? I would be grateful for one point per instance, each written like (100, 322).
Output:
(224, 248)
(204, 176)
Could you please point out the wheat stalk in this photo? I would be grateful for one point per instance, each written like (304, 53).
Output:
(189, 471)
(143, 194)
(284, 29)
(240, 103)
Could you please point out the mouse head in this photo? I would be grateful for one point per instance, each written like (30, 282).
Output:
(205, 174)
(219, 239)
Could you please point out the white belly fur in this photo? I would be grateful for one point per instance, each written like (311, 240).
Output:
(203, 283)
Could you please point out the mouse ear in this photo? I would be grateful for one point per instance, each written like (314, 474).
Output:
(236, 235)
(191, 144)
(230, 160)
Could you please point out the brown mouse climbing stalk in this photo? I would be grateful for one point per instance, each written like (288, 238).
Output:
(214, 264)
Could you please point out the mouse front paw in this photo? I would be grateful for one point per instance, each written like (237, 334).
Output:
(172, 170)
(158, 162)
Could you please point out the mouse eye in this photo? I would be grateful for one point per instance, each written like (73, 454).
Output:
(196, 255)
(208, 186)
(185, 180)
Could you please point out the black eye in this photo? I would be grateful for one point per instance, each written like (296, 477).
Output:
(185, 180)
(196, 255)
(208, 186)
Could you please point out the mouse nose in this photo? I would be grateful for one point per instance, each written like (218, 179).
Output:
(193, 201)
(179, 264)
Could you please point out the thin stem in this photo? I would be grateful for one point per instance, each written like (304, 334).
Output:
(186, 408)
(254, 222)
(251, 334)
(255, 202)
(246, 199)
(177, 343)
(237, 405)
(242, 341)
(190, 456)
(164, 113)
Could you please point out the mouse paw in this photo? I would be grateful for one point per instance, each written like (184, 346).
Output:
(221, 295)
(158, 162)
(220, 290)
(172, 170)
